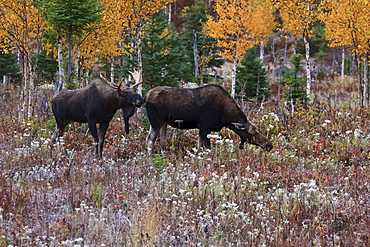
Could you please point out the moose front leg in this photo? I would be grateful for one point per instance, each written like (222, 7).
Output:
(58, 131)
(241, 145)
(56, 134)
(203, 140)
(151, 138)
(101, 135)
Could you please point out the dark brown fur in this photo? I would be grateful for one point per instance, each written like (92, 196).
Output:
(94, 104)
(208, 108)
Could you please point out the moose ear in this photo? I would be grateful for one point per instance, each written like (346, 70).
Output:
(239, 126)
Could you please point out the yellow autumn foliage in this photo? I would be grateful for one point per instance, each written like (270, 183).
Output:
(347, 23)
(120, 20)
(239, 25)
(20, 25)
(298, 16)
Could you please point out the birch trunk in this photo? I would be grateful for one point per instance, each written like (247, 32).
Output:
(169, 14)
(342, 66)
(308, 65)
(31, 78)
(366, 80)
(69, 61)
(273, 51)
(112, 69)
(233, 77)
(139, 58)
(359, 79)
(5, 79)
(195, 54)
(25, 88)
(60, 82)
(76, 65)
(262, 50)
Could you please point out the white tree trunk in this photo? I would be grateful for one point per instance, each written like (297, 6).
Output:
(76, 65)
(262, 50)
(61, 76)
(195, 53)
(308, 65)
(112, 69)
(5, 79)
(169, 13)
(233, 76)
(139, 58)
(24, 94)
(366, 80)
(342, 65)
(31, 78)
(273, 50)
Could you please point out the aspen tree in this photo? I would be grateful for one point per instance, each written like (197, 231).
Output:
(236, 30)
(347, 24)
(21, 28)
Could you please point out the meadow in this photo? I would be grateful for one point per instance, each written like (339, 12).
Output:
(312, 189)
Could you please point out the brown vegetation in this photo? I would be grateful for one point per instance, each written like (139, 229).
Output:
(312, 189)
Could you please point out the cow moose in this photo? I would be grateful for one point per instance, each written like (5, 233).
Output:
(208, 108)
(95, 104)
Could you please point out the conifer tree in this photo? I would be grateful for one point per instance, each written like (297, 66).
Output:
(164, 60)
(9, 67)
(251, 76)
(70, 19)
(296, 92)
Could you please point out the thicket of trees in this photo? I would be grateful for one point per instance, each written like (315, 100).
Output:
(170, 42)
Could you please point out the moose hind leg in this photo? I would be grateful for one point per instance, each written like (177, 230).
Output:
(163, 137)
(150, 139)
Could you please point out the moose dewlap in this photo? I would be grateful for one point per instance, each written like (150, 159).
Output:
(208, 108)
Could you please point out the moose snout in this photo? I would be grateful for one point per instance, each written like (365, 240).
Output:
(268, 147)
(138, 102)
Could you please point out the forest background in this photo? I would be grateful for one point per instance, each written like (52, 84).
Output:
(297, 68)
(176, 42)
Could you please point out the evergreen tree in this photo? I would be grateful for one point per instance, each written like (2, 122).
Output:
(47, 67)
(9, 66)
(297, 92)
(164, 59)
(70, 19)
(251, 76)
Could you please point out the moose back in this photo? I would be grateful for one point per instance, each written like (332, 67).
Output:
(208, 108)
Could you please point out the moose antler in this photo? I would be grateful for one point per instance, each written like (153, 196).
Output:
(136, 76)
(109, 84)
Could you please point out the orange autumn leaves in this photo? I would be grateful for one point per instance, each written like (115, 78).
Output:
(22, 23)
(240, 25)
(347, 24)
(120, 20)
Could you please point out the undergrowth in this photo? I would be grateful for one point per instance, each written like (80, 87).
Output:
(312, 189)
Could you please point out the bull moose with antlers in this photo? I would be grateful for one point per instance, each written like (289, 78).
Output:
(95, 104)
